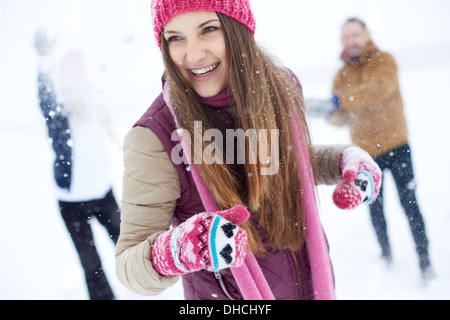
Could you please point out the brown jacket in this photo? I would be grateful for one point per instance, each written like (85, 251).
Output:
(150, 191)
(371, 103)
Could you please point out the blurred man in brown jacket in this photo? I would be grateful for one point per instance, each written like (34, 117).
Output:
(367, 98)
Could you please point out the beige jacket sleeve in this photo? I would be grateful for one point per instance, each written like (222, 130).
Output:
(150, 190)
(326, 164)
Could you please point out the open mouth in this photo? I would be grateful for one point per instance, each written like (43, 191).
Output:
(204, 71)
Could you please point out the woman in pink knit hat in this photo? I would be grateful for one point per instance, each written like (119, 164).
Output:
(220, 173)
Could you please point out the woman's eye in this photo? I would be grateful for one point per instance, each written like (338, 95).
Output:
(210, 29)
(173, 38)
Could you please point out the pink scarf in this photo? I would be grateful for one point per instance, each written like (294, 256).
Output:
(250, 279)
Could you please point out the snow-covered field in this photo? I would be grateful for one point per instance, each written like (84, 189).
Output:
(37, 258)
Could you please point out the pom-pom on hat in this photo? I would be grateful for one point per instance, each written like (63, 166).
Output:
(164, 10)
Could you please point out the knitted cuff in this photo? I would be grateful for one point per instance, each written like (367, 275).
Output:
(162, 255)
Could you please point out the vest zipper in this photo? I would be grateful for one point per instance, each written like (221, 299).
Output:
(298, 274)
(222, 284)
(297, 267)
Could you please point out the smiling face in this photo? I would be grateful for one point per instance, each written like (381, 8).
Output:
(197, 47)
(354, 37)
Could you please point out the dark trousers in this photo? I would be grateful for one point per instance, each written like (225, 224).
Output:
(77, 217)
(400, 164)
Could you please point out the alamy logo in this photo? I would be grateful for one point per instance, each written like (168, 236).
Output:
(258, 147)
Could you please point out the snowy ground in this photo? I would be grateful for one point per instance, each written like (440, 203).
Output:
(37, 259)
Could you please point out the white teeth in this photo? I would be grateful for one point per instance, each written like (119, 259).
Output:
(204, 71)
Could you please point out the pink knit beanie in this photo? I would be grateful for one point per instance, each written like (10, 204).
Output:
(164, 10)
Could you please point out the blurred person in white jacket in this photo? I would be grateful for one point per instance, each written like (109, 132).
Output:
(77, 130)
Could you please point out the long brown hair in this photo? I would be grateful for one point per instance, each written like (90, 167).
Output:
(266, 97)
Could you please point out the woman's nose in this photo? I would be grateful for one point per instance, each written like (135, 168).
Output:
(195, 53)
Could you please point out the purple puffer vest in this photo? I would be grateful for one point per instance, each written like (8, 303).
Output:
(288, 273)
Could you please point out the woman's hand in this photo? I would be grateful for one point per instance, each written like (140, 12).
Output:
(210, 241)
(362, 179)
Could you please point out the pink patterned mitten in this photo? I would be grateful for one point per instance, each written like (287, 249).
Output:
(362, 179)
(211, 241)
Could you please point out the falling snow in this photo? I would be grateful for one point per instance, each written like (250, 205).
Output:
(38, 258)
